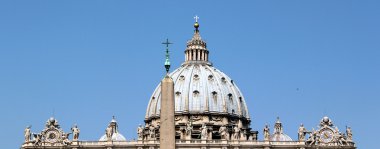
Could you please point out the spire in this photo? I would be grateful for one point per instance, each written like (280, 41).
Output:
(167, 61)
(196, 51)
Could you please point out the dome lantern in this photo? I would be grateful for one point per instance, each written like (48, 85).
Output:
(196, 49)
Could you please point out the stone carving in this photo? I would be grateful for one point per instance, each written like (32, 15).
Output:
(223, 132)
(152, 132)
(326, 121)
(266, 133)
(312, 138)
(50, 135)
(27, 134)
(65, 139)
(52, 122)
(328, 135)
(109, 132)
(189, 128)
(216, 118)
(196, 118)
(140, 132)
(178, 118)
(349, 134)
(37, 139)
(204, 132)
(236, 135)
(301, 133)
(341, 139)
(75, 130)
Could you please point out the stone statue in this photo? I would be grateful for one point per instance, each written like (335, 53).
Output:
(152, 131)
(65, 139)
(189, 128)
(349, 133)
(204, 133)
(37, 139)
(312, 138)
(236, 133)
(109, 133)
(301, 133)
(266, 133)
(140, 132)
(76, 132)
(341, 139)
(223, 132)
(27, 134)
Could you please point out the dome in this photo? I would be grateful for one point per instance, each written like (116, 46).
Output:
(115, 137)
(280, 137)
(112, 129)
(278, 134)
(201, 88)
(203, 96)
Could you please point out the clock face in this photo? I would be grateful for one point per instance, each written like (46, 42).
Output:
(326, 136)
(52, 136)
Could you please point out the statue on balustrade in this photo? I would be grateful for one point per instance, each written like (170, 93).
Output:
(27, 134)
(236, 135)
(75, 130)
(313, 138)
(349, 134)
(109, 132)
(189, 129)
(140, 132)
(223, 132)
(266, 133)
(301, 133)
(152, 132)
(204, 132)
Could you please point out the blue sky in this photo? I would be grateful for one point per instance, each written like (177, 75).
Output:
(85, 61)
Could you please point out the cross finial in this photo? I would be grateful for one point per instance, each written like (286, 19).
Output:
(167, 61)
(196, 18)
(167, 43)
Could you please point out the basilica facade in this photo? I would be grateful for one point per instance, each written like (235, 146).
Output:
(196, 106)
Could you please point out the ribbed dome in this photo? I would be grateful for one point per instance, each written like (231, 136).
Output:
(280, 137)
(201, 89)
(113, 127)
(278, 134)
(115, 137)
(203, 95)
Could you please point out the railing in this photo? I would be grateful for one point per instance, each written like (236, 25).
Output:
(183, 142)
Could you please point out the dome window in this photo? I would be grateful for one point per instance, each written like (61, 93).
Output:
(196, 77)
(210, 77)
(223, 79)
(178, 93)
(181, 77)
(230, 97)
(214, 96)
(196, 92)
(241, 99)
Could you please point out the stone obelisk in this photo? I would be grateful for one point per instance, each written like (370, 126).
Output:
(167, 126)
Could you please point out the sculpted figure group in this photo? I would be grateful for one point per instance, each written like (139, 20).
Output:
(51, 127)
